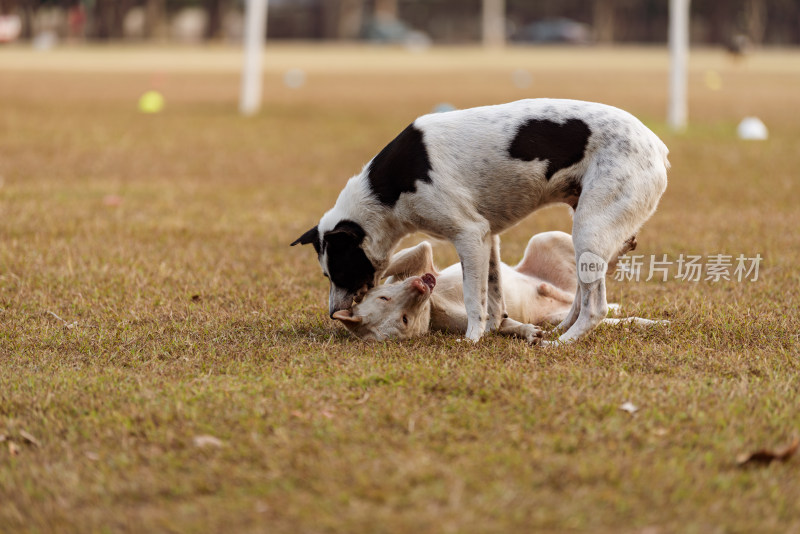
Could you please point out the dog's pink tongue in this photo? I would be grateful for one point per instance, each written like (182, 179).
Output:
(429, 280)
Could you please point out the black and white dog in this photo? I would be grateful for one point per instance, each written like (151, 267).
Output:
(468, 175)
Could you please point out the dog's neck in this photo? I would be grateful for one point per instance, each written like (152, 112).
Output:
(382, 237)
(427, 309)
(383, 230)
(424, 316)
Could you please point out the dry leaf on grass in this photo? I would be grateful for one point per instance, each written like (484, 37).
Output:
(766, 456)
(13, 448)
(67, 325)
(29, 438)
(112, 200)
(207, 441)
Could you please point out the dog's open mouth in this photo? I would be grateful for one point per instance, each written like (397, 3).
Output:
(424, 284)
(429, 280)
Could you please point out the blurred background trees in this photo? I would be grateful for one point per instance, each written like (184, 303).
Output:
(772, 22)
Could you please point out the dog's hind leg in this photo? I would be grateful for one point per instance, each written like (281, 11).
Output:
(474, 247)
(611, 210)
(596, 240)
(496, 306)
(615, 310)
(572, 314)
(636, 321)
(550, 256)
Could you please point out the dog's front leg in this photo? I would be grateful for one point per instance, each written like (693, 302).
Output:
(411, 261)
(474, 249)
(530, 333)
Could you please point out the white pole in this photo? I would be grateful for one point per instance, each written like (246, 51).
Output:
(494, 23)
(679, 57)
(255, 26)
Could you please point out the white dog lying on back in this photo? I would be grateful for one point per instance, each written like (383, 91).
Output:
(538, 291)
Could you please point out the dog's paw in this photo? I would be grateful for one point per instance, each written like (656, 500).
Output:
(532, 334)
(474, 334)
(493, 324)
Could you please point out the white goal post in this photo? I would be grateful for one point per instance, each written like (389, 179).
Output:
(255, 27)
(678, 112)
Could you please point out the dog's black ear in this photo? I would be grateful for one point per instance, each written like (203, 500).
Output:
(346, 231)
(309, 238)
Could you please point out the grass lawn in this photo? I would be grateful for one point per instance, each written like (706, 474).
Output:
(166, 359)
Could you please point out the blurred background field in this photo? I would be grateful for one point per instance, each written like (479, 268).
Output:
(730, 23)
(166, 360)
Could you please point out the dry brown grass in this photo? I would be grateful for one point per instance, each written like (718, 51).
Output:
(193, 317)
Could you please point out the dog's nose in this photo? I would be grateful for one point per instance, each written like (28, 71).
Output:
(333, 309)
(419, 285)
(339, 299)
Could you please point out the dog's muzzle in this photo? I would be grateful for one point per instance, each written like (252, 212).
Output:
(424, 284)
(429, 280)
(341, 299)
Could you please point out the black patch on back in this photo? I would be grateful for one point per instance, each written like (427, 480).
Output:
(396, 169)
(562, 145)
(348, 265)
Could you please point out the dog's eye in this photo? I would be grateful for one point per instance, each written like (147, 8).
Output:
(384, 298)
(405, 319)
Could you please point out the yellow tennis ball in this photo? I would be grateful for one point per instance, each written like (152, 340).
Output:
(713, 80)
(151, 102)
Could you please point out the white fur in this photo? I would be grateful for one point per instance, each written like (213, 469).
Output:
(478, 191)
(539, 291)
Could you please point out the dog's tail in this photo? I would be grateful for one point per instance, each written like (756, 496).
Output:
(664, 154)
(549, 290)
(627, 246)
